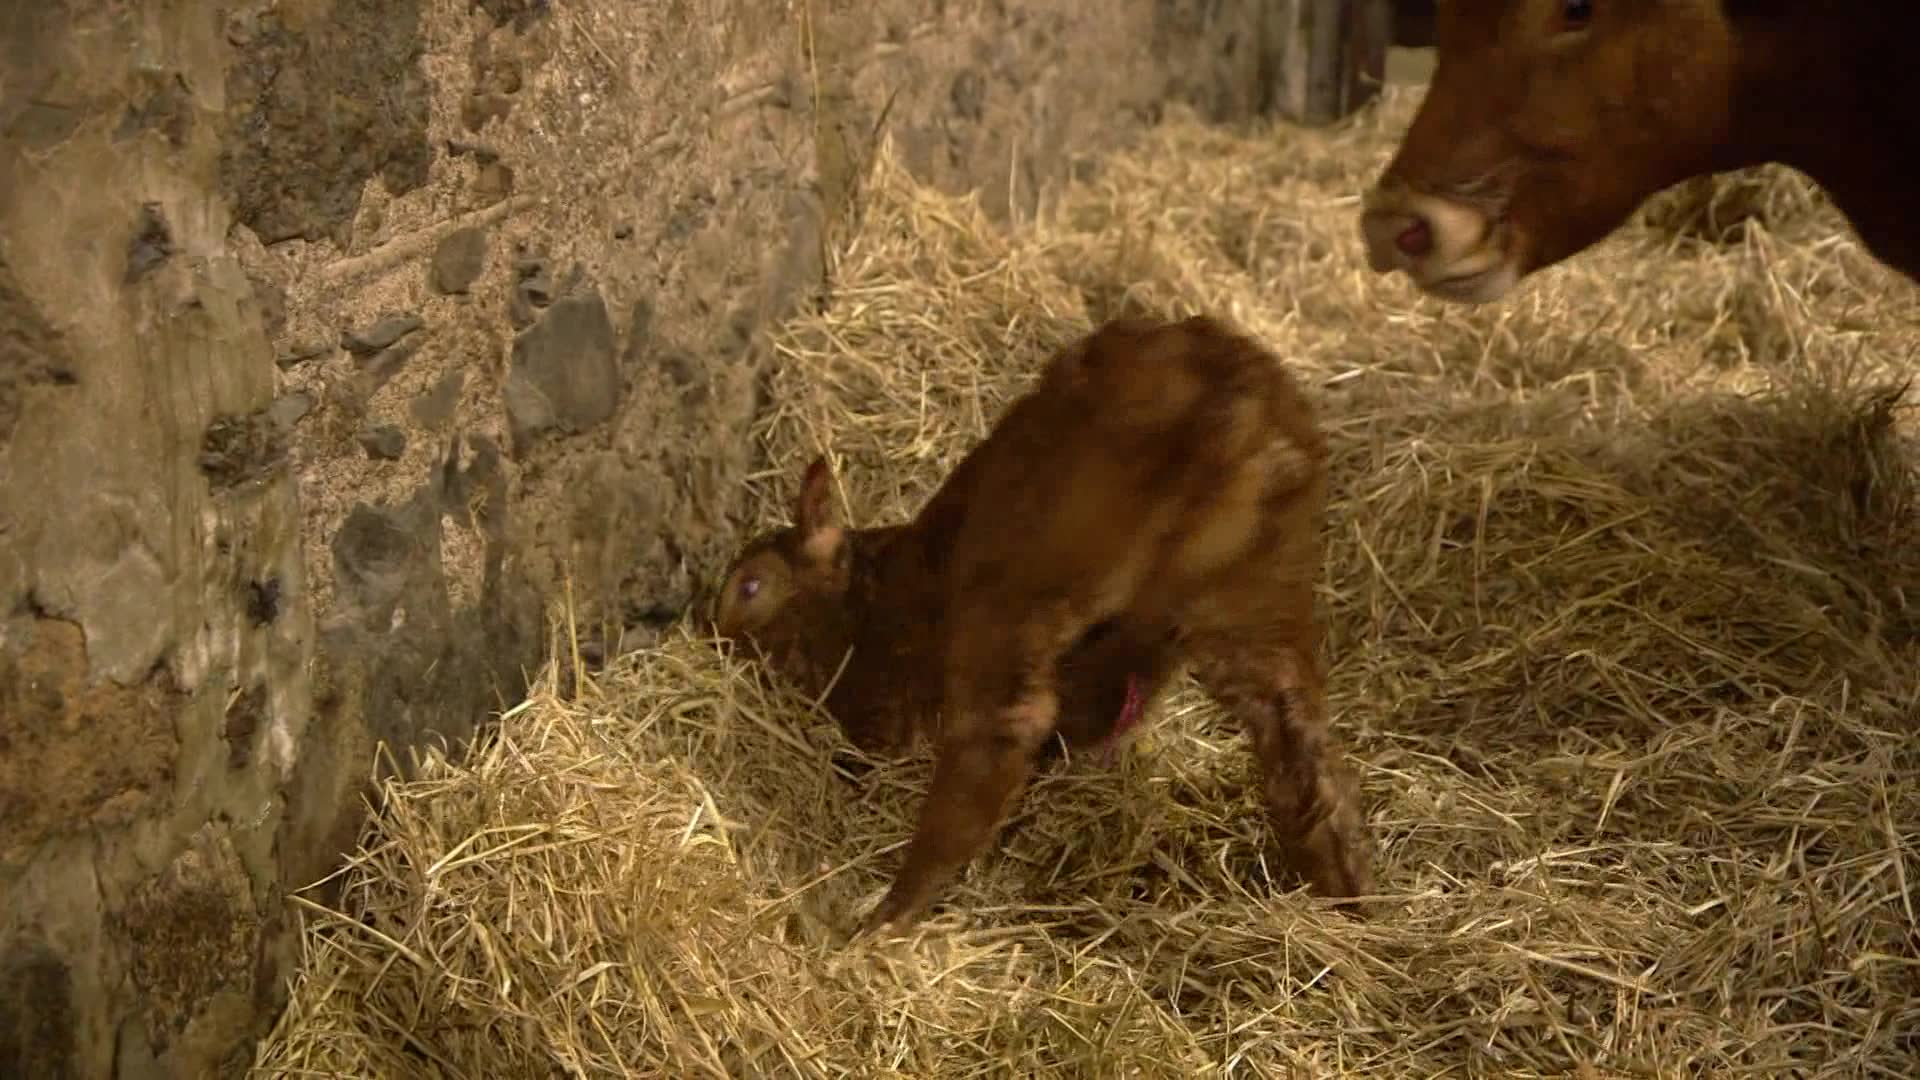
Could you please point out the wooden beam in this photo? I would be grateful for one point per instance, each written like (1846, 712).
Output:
(1329, 56)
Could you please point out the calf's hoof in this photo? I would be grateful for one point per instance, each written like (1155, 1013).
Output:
(895, 915)
(1333, 866)
(1334, 856)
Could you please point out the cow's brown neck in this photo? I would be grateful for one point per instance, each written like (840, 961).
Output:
(1828, 89)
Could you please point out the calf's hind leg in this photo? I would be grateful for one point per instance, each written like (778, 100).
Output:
(1313, 800)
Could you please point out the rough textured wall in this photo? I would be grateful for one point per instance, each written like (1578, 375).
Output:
(335, 335)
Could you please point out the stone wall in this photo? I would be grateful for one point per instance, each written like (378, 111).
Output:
(338, 336)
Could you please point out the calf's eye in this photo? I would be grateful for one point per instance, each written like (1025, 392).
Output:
(1575, 14)
(749, 587)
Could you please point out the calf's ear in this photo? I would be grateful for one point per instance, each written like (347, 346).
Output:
(817, 515)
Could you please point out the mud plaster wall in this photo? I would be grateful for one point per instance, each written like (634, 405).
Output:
(334, 334)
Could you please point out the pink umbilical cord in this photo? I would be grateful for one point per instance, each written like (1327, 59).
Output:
(1130, 713)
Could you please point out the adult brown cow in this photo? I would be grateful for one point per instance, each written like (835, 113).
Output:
(1548, 122)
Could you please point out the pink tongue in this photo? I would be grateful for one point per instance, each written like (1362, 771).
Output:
(1129, 716)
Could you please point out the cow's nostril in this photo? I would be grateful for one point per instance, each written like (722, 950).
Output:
(1416, 239)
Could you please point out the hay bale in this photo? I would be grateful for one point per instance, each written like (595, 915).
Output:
(1623, 592)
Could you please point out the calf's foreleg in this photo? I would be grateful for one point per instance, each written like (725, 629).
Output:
(1002, 705)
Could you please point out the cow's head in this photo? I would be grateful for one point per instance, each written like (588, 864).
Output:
(1546, 124)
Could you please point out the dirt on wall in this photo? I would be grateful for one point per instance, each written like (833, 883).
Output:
(338, 337)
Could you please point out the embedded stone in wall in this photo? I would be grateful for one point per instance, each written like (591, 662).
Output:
(381, 334)
(54, 720)
(378, 554)
(303, 134)
(289, 409)
(381, 350)
(459, 259)
(189, 932)
(37, 1028)
(564, 377)
(435, 408)
(383, 442)
(238, 451)
(532, 290)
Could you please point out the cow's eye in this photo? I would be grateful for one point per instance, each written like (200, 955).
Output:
(1575, 14)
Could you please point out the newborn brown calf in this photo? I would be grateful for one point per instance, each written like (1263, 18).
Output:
(1155, 501)
(807, 594)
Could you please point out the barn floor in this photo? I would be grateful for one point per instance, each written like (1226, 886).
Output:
(1623, 590)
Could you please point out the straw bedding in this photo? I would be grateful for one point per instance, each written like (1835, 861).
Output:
(1623, 596)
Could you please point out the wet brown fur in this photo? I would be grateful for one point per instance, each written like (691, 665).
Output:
(1562, 134)
(871, 613)
(1165, 481)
